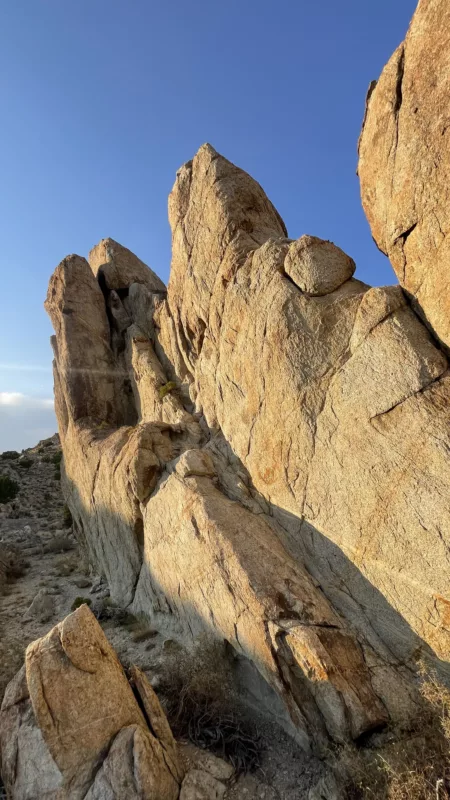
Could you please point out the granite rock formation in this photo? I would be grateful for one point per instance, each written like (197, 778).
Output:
(261, 453)
(404, 163)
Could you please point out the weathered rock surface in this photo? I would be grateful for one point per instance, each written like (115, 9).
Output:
(277, 476)
(117, 267)
(200, 785)
(230, 574)
(30, 548)
(89, 382)
(42, 608)
(316, 427)
(317, 267)
(71, 727)
(404, 163)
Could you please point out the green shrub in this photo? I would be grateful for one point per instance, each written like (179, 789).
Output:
(8, 489)
(67, 517)
(166, 389)
(9, 455)
(25, 463)
(57, 473)
(47, 459)
(57, 457)
(103, 426)
(80, 601)
(129, 621)
(59, 544)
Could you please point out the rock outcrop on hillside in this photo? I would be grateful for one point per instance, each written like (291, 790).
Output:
(42, 579)
(404, 163)
(73, 726)
(261, 453)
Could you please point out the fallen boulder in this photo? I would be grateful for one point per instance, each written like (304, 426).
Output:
(71, 726)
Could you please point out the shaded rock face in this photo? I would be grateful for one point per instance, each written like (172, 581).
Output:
(404, 163)
(90, 383)
(71, 726)
(277, 476)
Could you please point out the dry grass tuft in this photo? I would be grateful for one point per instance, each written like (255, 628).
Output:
(416, 767)
(202, 706)
(438, 697)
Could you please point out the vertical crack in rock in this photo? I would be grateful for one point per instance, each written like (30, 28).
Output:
(399, 83)
(370, 90)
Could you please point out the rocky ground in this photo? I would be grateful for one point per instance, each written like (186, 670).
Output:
(44, 577)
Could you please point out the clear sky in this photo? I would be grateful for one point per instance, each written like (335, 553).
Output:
(104, 99)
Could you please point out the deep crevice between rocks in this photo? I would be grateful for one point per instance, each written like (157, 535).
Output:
(404, 236)
(399, 82)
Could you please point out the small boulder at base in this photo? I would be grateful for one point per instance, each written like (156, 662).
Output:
(200, 785)
(41, 609)
(72, 728)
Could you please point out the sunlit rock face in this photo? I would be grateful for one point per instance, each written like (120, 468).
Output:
(261, 453)
(404, 163)
(71, 726)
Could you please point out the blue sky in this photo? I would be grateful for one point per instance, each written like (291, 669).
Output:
(103, 101)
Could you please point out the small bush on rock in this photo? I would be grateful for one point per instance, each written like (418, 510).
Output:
(80, 601)
(166, 389)
(59, 544)
(9, 455)
(8, 489)
(104, 426)
(25, 463)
